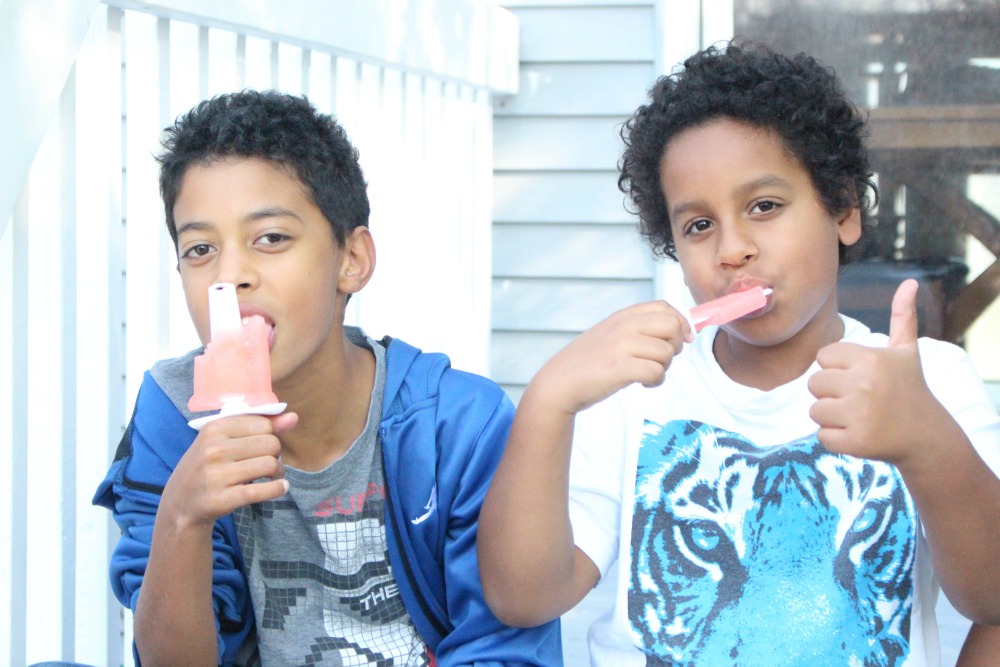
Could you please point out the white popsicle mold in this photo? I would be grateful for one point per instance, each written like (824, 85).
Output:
(224, 316)
(223, 308)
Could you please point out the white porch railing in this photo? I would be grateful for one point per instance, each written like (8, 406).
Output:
(88, 292)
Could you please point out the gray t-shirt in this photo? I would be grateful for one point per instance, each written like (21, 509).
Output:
(322, 588)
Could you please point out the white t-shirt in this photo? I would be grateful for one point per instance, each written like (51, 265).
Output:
(739, 540)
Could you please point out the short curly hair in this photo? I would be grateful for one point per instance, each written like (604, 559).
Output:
(796, 97)
(285, 129)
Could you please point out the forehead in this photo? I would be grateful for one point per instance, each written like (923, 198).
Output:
(722, 154)
(720, 140)
(238, 183)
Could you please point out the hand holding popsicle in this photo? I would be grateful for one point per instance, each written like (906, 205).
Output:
(635, 344)
(234, 373)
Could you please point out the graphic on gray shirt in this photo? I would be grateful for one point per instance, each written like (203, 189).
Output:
(322, 588)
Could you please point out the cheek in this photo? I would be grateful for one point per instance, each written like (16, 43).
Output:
(315, 318)
(824, 251)
(698, 276)
(198, 310)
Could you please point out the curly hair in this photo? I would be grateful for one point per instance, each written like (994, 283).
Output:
(796, 97)
(284, 129)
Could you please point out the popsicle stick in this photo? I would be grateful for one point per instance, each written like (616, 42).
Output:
(223, 309)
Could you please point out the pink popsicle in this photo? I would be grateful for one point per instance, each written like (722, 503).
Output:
(235, 370)
(728, 308)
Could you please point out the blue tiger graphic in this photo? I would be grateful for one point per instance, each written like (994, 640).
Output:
(743, 555)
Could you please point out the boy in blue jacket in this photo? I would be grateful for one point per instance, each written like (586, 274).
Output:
(356, 542)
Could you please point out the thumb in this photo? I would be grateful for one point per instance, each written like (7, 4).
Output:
(903, 324)
(284, 422)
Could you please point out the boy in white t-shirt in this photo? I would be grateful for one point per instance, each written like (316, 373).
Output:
(788, 488)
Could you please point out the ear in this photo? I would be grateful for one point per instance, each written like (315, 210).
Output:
(358, 263)
(849, 226)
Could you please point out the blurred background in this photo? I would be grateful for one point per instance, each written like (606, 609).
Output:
(488, 132)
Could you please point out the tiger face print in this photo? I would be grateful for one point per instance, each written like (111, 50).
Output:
(786, 555)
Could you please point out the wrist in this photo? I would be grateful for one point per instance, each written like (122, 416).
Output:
(174, 518)
(549, 393)
(932, 440)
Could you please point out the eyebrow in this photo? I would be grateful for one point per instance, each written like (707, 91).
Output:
(253, 216)
(743, 190)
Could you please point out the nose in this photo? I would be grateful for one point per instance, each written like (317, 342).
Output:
(736, 244)
(235, 266)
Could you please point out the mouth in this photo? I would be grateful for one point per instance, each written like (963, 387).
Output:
(744, 284)
(248, 310)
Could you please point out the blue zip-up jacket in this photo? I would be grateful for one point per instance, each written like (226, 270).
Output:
(443, 432)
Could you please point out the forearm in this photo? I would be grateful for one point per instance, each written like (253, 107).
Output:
(174, 617)
(981, 647)
(958, 500)
(530, 568)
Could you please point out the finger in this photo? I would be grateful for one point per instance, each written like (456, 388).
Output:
(823, 384)
(238, 426)
(832, 382)
(655, 312)
(242, 448)
(903, 323)
(284, 422)
(257, 468)
(257, 492)
(657, 306)
(687, 331)
(668, 325)
(256, 445)
(223, 474)
(649, 373)
(657, 348)
(828, 413)
(842, 355)
(834, 439)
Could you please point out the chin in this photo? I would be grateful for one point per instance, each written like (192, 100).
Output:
(756, 333)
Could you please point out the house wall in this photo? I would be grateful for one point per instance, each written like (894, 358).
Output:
(566, 252)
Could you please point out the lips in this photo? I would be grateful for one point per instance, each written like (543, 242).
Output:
(743, 284)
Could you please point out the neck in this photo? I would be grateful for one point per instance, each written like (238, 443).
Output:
(332, 401)
(766, 367)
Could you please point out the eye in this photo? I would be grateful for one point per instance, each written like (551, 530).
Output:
(865, 520)
(874, 536)
(704, 539)
(271, 239)
(698, 226)
(196, 251)
(868, 523)
(765, 206)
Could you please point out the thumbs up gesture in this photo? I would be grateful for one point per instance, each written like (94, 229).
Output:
(903, 322)
(869, 401)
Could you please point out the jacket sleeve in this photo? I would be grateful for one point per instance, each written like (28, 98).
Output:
(478, 637)
(132, 491)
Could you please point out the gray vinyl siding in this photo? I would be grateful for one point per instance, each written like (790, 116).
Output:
(566, 253)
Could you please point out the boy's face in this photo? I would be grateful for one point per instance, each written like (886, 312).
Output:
(744, 212)
(251, 223)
